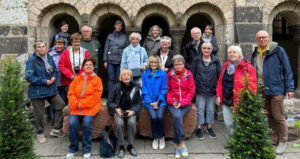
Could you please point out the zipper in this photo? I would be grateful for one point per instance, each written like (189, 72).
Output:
(81, 94)
(180, 90)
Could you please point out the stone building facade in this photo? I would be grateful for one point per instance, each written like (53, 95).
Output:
(22, 22)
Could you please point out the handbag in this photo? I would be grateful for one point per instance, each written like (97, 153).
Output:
(108, 142)
(137, 72)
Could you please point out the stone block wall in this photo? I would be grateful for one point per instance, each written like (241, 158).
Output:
(13, 27)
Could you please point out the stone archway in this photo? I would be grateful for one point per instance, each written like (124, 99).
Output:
(207, 13)
(283, 24)
(53, 15)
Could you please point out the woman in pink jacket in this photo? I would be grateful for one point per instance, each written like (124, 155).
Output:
(181, 90)
(70, 61)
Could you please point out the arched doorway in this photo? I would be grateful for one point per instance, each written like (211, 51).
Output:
(57, 19)
(154, 20)
(105, 27)
(285, 38)
(196, 20)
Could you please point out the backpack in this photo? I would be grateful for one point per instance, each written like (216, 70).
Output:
(108, 142)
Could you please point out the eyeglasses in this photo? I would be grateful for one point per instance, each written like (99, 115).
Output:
(261, 37)
(178, 64)
(206, 48)
(196, 33)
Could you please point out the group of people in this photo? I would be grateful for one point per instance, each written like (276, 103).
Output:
(154, 76)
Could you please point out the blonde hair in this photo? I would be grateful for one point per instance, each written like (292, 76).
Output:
(125, 71)
(154, 59)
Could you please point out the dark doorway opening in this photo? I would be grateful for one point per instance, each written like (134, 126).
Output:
(197, 20)
(105, 27)
(282, 35)
(56, 20)
(154, 20)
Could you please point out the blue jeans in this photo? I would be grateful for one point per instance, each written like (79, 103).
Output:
(205, 105)
(177, 122)
(228, 120)
(113, 71)
(157, 121)
(86, 133)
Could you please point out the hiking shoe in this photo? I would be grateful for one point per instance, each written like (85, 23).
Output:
(121, 153)
(280, 148)
(199, 134)
(70, 155)
(184, 151)
(211, 133)
(177, 153)
(57, 133)
(155, 144)
(86, 156)
(41, 138)
(162, 143)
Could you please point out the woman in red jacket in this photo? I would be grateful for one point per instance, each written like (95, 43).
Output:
(181, 90)
(70, 61)
(231, 81)
(85, 102)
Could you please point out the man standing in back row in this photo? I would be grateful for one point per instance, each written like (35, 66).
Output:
(273, 67)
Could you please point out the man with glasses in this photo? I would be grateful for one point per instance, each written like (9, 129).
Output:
(90, 44)
(273, 67)
(193, 48)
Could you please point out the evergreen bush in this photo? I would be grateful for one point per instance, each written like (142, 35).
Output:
(250, 139)
(16, 129)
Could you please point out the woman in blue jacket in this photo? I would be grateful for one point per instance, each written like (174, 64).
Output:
(154, 90)
(206, 69)
(41, 73)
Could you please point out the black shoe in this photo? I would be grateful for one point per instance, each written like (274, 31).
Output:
(199, 134)
(121, 153)
(131, 150)
(211, 133)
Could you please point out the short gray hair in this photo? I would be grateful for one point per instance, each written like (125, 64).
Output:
(39, 42)
(237, 49)
(90, 28)
(178, 58)
(209, 43)
(195, 28)
(134, 34)
(165, 39)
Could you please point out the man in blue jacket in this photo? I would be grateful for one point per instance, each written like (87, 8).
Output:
(273, 67)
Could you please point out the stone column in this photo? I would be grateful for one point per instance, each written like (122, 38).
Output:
(295, 31)
(177, 35)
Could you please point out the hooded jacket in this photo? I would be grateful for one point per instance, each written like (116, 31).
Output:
(277, 73)
(85, 94)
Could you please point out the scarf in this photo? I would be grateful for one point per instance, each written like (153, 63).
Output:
(206, 38)
(65, 36)
(196, 44)
(232, 67)
(179, 74)
(125, 101)
(49, 68)
(262, 51)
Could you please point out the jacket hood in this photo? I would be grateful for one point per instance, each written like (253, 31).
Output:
(214, 59)
(273, 45)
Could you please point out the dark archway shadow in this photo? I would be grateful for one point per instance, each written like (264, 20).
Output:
(197, 20)
(284, 38)
(154, 20)
(105, 27)
(56, 20)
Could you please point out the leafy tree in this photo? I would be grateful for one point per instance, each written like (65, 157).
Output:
(250, 139)
(16, 129)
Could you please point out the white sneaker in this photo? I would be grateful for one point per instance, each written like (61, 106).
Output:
(41, 138)
(280, 148)
(87, 156)
(162, 143)
(70, 155)
(155, 144)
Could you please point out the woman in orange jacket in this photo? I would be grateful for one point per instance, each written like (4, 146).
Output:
(85, 102)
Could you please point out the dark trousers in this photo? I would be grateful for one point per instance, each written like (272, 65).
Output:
(157, 121)
(113, 71)
(39, 111)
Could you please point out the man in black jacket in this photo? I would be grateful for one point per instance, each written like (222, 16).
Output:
(193, 48)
